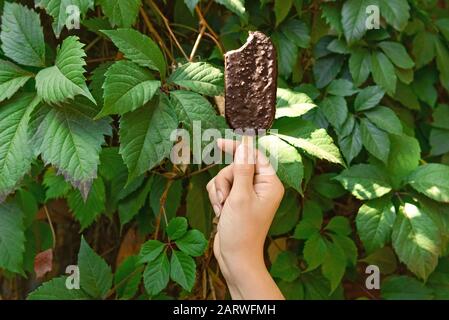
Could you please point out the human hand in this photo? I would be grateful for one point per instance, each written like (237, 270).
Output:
(245, 195)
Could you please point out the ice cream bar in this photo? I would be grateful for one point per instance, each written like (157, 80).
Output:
(251, 83)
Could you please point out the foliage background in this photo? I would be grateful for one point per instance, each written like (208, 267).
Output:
(363, 120)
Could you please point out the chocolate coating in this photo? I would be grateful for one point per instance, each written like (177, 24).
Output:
(251, 84)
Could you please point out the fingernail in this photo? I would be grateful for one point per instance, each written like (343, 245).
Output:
(216, 210)
(220, 196)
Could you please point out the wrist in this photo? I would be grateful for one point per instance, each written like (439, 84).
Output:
(237, 268)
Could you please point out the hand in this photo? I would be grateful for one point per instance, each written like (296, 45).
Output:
(245, 195)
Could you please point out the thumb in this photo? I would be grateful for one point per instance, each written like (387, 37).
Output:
(244, 165)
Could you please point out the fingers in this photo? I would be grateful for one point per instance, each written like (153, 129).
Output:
(223, 183)
(263, 166)
(244, 165)
(213, 197)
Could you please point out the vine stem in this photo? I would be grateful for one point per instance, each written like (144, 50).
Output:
(203, 21)
(162, 209)
(197, 42)
(167, 25)
(53, 233)
(156, 35)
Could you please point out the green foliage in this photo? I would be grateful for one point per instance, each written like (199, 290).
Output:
(362, 124)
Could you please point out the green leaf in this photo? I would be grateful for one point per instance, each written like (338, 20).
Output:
(442, 54)
(199, 77)
(443, 25)
(326, 69)
(22, 36)
(281, 9)
(341, 87)
(353, 19)
(12, 78)
(385, 119)
(348, 246)
(176, 228)
(145, 135)
(292, 104)
(397, 54)
(286, 159)
(368, 98)
(127, 278)
(360, 65)
(97, 80)
(296, 31)
(287, 214)
(351, 145)
(332, 15)
(424, 48)
(319, 145)
(384, 258)
(438, 141)
(95, 274)
(60, 11)
(338, 46)
(87, 211)
(439, 280)
(404, 288)
(138, 48)
(339, 225)
(192, 243)
(374, 222)
(416, 241)
(199, 211)
(315, 251)
(383, 72)
(396, 13)
(365, 181)
(65, 79)
(156, 275)
(129, 207)
(441, 117)
(12, 237)
(285, 266)
(407, 96)
(375, 140)
(287, 53)
(121, 13)
(69, 139)
(424, 86)
(432, 180)
(56, 289)
(326, 186)
(191, 4)
(190, 106)
(403, 159)
(56, 186)
(15, 148)
(126, 88)
(236, 6)
(150, 250)
(334, 265)
(335, 110)
(310, 224)
(182, 270)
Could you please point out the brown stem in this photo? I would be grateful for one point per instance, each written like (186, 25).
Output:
(167, 25)
(212, 32)
(53, 233)
(197, 42)
(162, 209)
(194, 173)
(155, 34)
